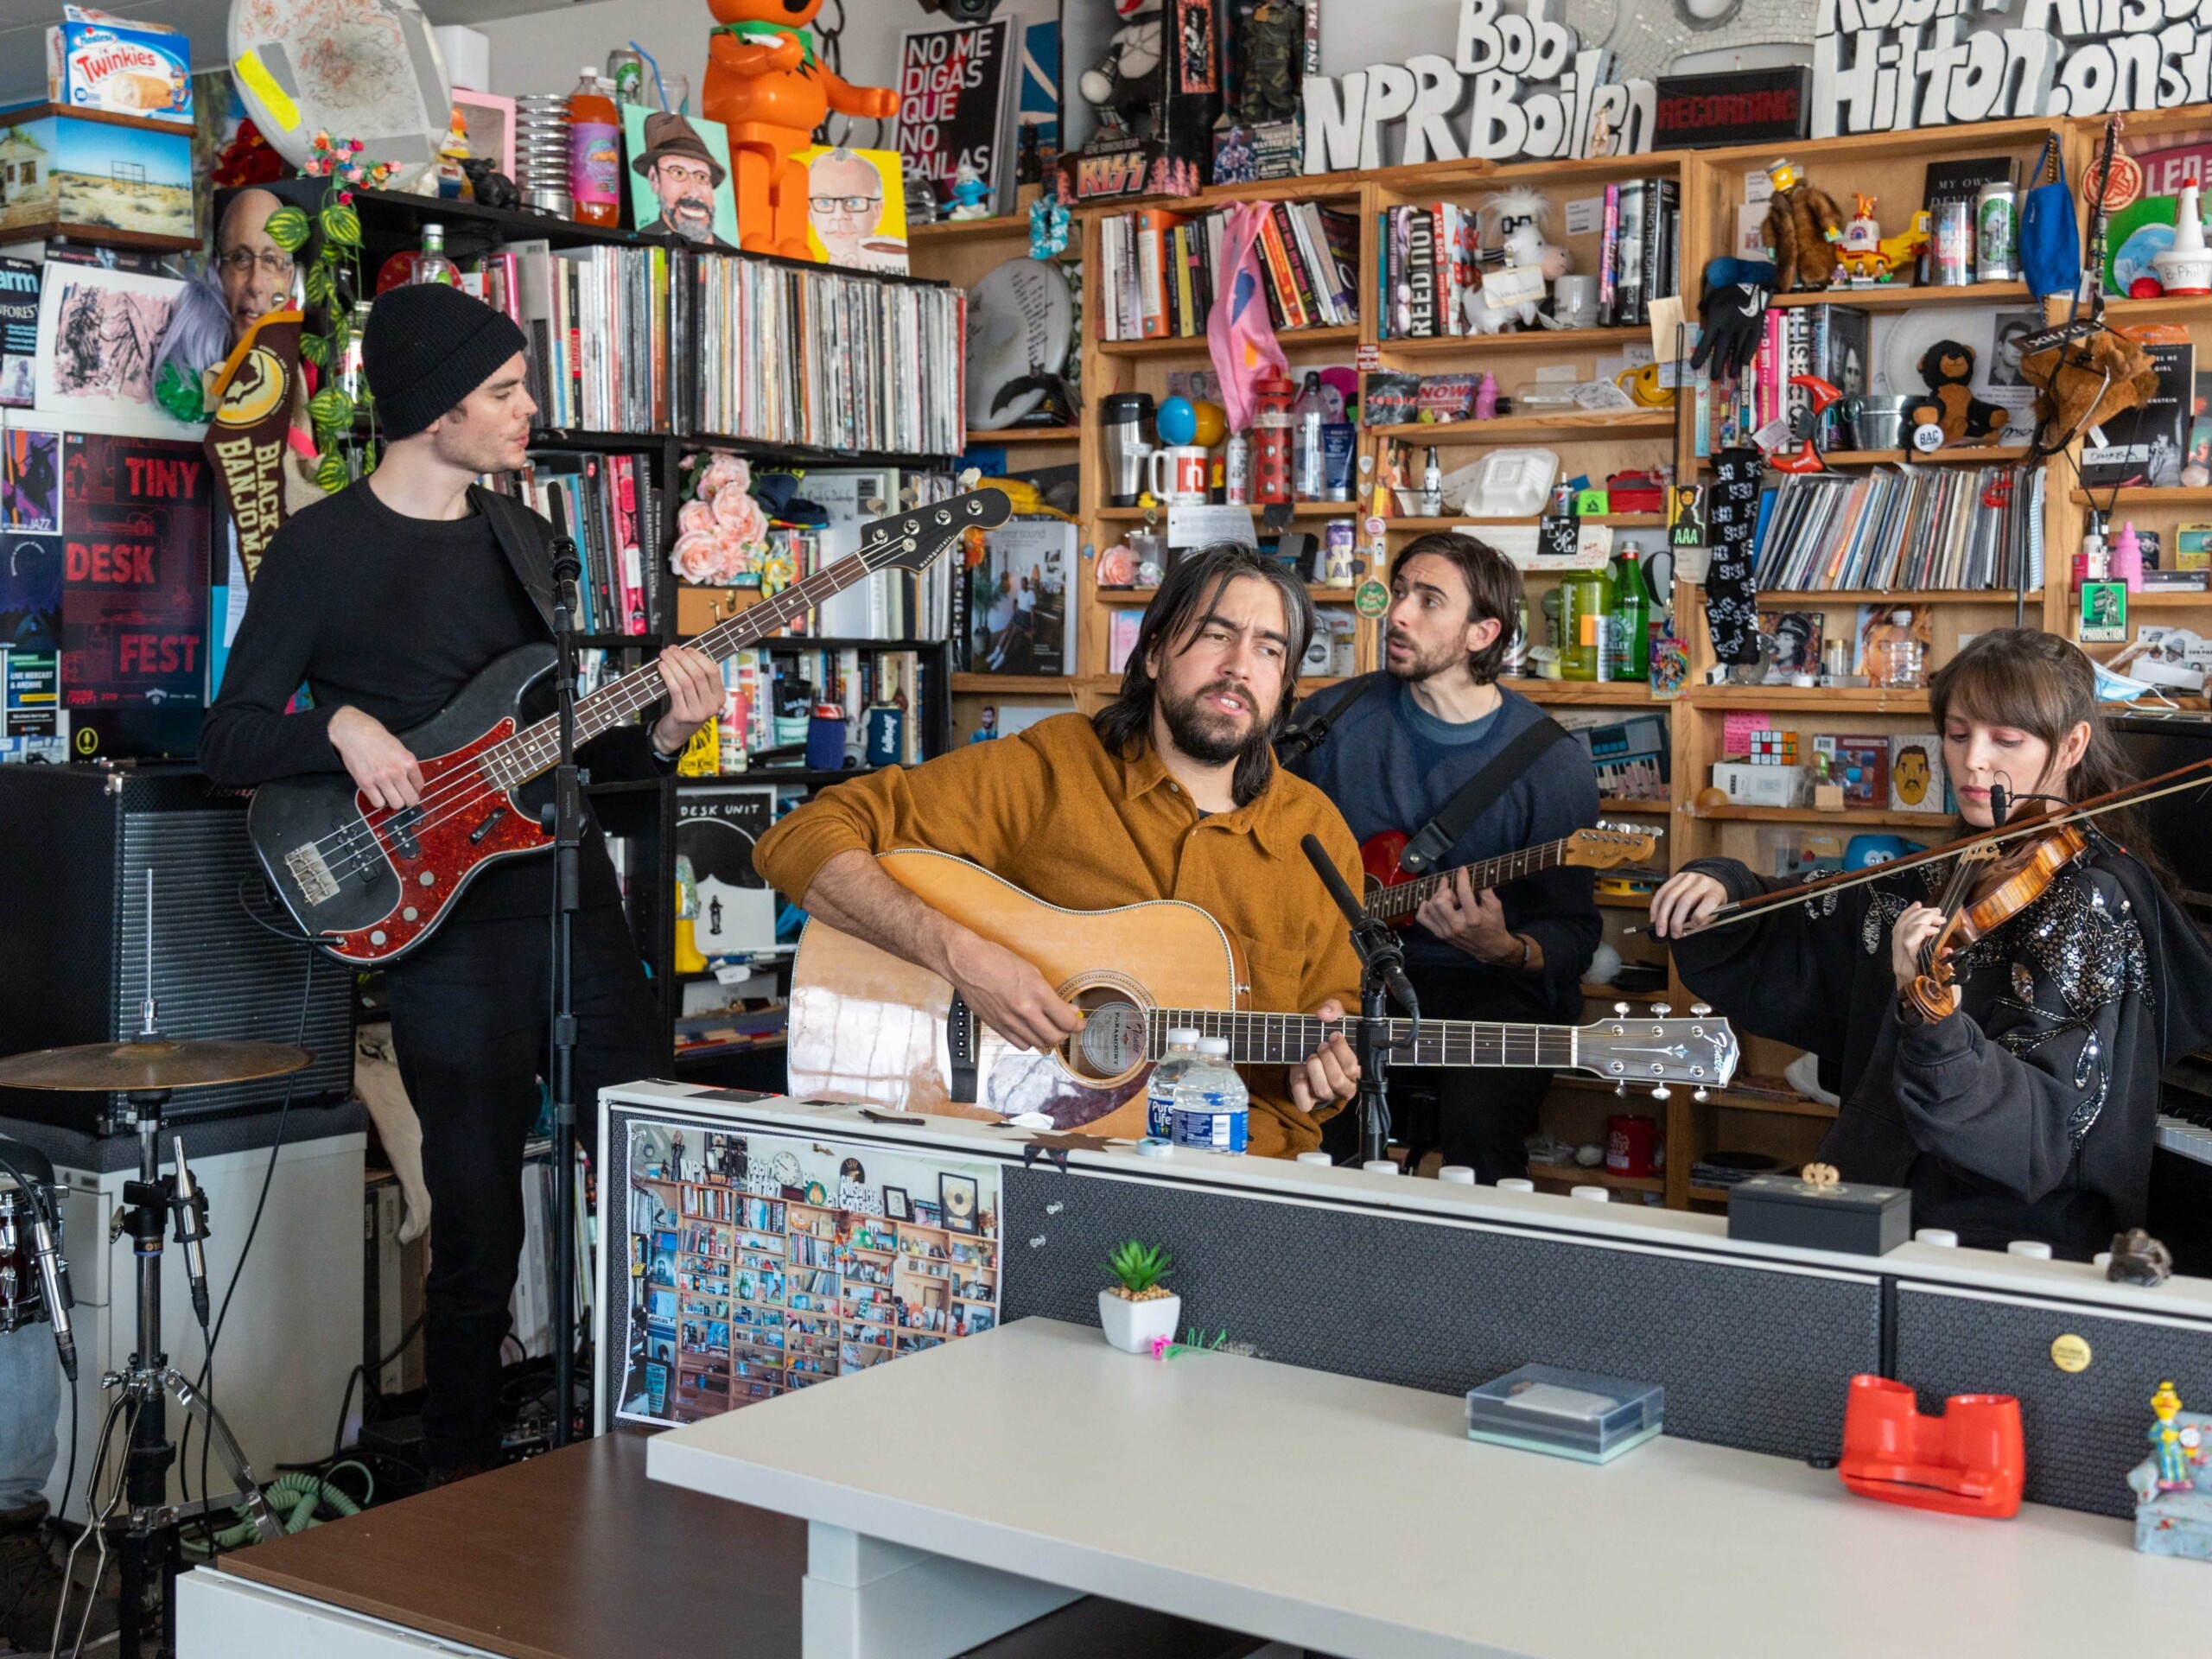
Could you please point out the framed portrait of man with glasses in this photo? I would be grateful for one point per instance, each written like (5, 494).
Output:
(679, 184)
(856, 207)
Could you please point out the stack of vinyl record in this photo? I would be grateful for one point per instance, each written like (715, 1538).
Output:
(542, 151)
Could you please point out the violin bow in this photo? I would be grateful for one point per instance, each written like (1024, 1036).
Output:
(2150, 789)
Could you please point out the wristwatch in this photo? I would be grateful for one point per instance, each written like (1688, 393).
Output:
(1528, 950)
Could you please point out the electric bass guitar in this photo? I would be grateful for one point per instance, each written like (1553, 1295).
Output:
(370, 884)
(864, 1025)
(1394, 894)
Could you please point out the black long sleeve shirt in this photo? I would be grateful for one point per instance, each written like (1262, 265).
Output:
(391, 615)
(2031, 1112)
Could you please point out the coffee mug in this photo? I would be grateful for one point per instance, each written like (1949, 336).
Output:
(1575, 302)
(1176, 473)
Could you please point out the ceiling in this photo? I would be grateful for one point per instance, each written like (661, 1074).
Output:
(23, 23)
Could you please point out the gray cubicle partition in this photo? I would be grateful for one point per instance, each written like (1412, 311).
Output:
(1440, 1287)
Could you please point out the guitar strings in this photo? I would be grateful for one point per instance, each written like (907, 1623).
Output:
(472, 785)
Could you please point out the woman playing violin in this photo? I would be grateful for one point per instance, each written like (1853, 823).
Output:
(2011, 1079)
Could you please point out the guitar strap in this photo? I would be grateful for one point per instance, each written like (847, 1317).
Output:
(1312, 732)
(1435, 838)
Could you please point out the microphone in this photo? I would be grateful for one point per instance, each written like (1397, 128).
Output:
(191, 1232)
(1389, 965)
(568, 567)
(2001, 805)
(53, 1277)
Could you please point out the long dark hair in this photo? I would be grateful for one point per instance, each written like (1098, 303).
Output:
(2046, 685)
(1185, 599)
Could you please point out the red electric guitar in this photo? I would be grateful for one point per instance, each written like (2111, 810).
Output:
(1393, 895)
(371, 884)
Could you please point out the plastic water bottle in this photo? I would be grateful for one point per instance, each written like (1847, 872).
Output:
(1212, 1111)
(1307, 416)
(1160, 1092)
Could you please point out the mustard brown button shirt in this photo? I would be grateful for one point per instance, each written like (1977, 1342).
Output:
(1054, 811)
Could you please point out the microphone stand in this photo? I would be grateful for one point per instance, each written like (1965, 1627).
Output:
(564, 818)
(1382, 975)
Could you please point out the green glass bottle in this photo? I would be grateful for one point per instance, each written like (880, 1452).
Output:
(1629, 638)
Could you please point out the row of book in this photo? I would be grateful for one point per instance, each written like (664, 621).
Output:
(832, 359)
(1160, 269)
(1833, 343)
(789, 680)
(609, 505)
(1430, 259)
(653, 340)
(1956, 527)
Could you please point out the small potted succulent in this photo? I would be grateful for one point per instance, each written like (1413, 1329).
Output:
(1136, 1310)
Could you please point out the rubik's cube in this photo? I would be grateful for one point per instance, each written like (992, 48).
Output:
(1773, 749)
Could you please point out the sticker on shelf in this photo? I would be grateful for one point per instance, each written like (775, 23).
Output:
(1586, 215)
(1367, 359)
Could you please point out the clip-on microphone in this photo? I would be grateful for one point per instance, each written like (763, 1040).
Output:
(2001, 805)
(1382, 975)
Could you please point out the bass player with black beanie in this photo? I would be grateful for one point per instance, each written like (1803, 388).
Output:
(385, 599)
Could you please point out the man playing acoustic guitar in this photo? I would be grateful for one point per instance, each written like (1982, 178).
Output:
(1171, 792)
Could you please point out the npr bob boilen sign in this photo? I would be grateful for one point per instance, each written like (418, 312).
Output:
(1519, 86)
(1883, 65)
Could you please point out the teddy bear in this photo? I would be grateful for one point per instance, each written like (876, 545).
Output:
(764, 85)
(1801, 221)
(1948, 368)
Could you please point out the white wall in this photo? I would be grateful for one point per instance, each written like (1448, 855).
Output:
(541, 51)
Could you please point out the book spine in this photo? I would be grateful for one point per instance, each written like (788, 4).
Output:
(1152, 285)
(1277, 287)
(1608, 237)
(1420, 275)
(1631, 251)
(1293, 255)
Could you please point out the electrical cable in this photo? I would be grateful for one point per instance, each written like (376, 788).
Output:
(253, 1229)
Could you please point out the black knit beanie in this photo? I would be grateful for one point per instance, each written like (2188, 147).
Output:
(428, 346)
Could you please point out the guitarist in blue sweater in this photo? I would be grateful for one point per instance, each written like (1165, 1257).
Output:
(1400, 747)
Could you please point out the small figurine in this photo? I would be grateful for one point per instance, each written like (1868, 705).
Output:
(2138, 1259)
(1859, 252)
(1951, 405)
(1819, 1175)
(452, 170)
(1123, 87)
(1799, 218)
(969, 192)
(1048, 228)
(1486, 397)
(2174, 1456)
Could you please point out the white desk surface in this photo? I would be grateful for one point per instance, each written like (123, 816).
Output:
(1356, 1518)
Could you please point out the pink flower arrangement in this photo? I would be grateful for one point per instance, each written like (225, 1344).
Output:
(695, 516)
(722, 534)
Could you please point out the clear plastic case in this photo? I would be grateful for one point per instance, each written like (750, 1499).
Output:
(1566, 1414)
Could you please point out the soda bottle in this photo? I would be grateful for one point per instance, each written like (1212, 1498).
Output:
(431, 265)
(594, 152)
(1307, 416)
(1628, 638)
(1213, 1112)
(1160, 1092)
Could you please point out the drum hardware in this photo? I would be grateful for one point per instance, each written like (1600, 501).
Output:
(148, 1069)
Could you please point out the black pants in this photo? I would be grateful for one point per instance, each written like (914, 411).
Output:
(1485, 1113)
(469, 1026)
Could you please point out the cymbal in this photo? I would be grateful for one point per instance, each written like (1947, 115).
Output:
(97, 1068)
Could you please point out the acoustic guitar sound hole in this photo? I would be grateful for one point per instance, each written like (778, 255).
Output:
(1112, 1040)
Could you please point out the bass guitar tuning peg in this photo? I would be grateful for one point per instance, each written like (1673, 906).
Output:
(1660, 1010)
(1661, 1091)
(1700, 1009)
(1700, 1095)
(1620, 1007)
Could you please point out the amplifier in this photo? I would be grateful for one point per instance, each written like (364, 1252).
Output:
(76, 843)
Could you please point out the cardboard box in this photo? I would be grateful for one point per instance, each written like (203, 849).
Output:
(1750, 784)
(121, 68)
(1850, 1217)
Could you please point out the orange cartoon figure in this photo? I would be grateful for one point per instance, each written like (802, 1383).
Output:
(764, 84)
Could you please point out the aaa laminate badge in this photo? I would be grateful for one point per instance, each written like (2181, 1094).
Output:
(1372, 599)
(2069, 1353)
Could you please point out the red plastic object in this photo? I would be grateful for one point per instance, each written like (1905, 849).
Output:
(1635, 492)
(1969, 1461)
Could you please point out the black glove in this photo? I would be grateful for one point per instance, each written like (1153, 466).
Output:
(1732, 322)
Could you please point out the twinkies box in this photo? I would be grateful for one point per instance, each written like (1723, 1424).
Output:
(120, 69)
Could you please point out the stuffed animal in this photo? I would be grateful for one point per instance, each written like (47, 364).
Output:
(1859, 254)
(1123, 87)
(1948, 368)
(2084, 383)
(1512, 210)
(1801, 221)
(764, 84)
(1524, 245)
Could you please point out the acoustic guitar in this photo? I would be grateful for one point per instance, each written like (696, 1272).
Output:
(371, 883)
(866, 1025)
(1394, 894)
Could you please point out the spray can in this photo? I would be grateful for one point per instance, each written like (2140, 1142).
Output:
(1237, 470)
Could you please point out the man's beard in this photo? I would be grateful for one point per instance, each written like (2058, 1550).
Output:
(1419, 667)
(1207, 738)
(690, 216)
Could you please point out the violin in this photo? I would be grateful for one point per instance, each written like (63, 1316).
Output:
(1989, 858)
(1991, 882)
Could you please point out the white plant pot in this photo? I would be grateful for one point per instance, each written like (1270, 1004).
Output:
(1134, 1327)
